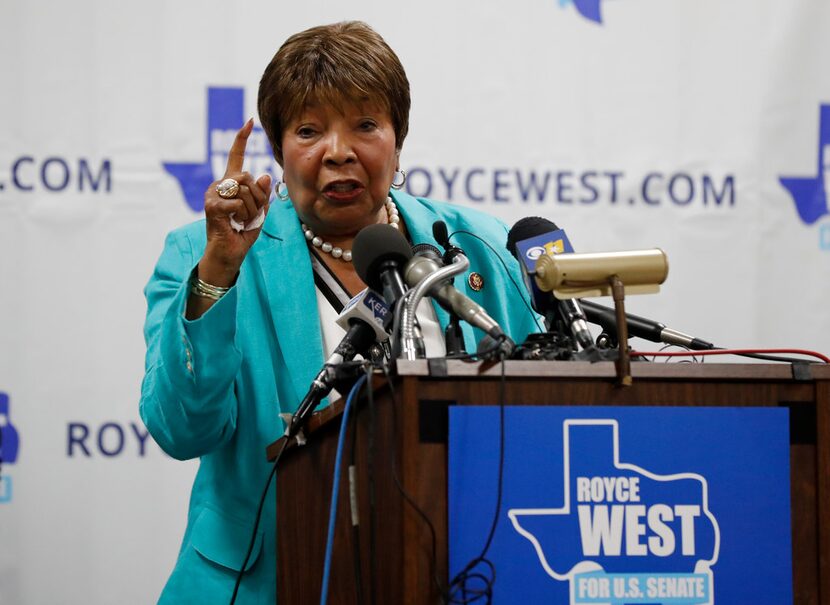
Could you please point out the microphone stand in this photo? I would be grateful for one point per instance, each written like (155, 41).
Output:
(623, 361)
(454, 337)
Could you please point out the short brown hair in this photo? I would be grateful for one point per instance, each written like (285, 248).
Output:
(333, 64)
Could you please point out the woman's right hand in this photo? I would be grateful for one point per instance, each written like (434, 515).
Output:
(226, 248)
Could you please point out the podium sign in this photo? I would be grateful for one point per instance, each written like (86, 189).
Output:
(646, 505)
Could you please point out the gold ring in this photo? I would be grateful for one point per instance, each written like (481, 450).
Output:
(227, 189)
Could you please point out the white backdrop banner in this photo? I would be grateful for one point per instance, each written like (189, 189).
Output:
(699, 126)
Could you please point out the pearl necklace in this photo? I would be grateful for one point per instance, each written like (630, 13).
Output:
(346, 255)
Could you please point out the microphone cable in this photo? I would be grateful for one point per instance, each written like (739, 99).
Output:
(683, 349)
(487, 577)
(521, 291)
(257, 520)
(335, 489)
(358, 571)
(370, 473)
(766, 354)
(371, 451)
(406, 496)
(494, 346)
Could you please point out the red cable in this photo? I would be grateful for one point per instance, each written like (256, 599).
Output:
(824, 358)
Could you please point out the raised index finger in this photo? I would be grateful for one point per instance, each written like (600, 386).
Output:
(236, 156)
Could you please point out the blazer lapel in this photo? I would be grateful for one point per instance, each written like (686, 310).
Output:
(285, 271)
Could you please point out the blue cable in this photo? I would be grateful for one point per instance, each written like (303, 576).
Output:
(335, 489)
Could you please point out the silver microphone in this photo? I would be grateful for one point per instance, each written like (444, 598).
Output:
(421, 268)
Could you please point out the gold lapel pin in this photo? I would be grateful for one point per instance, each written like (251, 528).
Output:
(476, 281)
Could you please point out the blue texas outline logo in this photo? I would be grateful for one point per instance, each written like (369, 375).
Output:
(635, 536)
(225, 116)
(590, 9)
(810, 193)
(9, 448)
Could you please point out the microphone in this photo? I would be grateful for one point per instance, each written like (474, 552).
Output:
(441, 235)
(363, 318)
(641, 327)
(379, 254)
(427, 250)
(439, 232)
(453, 336)
(527, 240)
(420, 267)
(532, 237)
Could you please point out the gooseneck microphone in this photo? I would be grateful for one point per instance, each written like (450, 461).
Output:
(421, 267)
(453, 336)
(363, 318)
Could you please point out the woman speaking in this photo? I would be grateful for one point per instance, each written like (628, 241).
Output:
(241, 310)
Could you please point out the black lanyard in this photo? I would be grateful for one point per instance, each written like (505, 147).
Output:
(328, 284)
(336, 294)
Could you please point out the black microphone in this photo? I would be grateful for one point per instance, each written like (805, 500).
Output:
(363, 317)
(379, 254)
(641, 327)
(453, 335)
(439, 232)
(534, 228)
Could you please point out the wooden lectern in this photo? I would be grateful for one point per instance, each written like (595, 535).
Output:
(407, 427)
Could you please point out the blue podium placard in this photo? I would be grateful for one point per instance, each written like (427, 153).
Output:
(619, 506)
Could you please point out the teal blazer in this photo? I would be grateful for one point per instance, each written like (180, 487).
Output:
(214, 388)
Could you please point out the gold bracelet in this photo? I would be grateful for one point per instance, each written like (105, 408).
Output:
(206, 290)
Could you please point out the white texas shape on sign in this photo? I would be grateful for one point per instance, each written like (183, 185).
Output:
(623, 532)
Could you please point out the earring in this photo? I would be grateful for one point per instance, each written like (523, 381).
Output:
(281, 189)
(402, 182)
